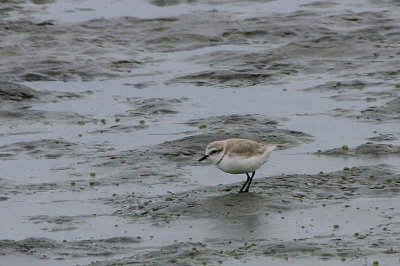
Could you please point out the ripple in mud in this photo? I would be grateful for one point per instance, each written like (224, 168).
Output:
(385, 137)
(183, 253)
(47, 248)
(119, 129)
(370, 96)
(16, 101)
(225, 78)
(17, 93)
(369, 148)
(386, 113)
(321, 4)
(16, 117)
(342, 86)
(9, 6)
(356, 90)
(271, 193)
(59, 223)
(164, 3)
(49, 149)
(27, 245)
(155, 106)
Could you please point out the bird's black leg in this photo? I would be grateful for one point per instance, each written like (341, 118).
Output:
(248, 184)
(245, 183)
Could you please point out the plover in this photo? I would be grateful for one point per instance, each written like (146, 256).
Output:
(239, 156)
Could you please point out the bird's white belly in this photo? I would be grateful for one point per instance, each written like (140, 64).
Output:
(240, 165)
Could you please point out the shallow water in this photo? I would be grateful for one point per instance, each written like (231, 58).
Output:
(152, 83)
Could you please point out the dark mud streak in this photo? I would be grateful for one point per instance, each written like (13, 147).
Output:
(369, 148)
(385, 137)
(389, 112)
(151, 107)
(14, 93)
(17, 100)
(356, 87)
(9, 6)
(51, 249)
(50, 149)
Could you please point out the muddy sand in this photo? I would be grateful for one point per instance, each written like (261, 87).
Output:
(105, 108)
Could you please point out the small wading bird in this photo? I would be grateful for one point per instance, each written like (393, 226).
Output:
(239, 156)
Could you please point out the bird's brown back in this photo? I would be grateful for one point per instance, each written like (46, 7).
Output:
(244, 148)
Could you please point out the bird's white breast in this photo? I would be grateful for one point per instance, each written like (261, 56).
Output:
(240, 165)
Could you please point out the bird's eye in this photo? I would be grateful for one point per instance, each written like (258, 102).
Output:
(213, 152)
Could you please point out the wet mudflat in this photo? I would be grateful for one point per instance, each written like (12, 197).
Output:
(106, 106)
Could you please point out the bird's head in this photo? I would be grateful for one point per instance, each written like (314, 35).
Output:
(214, 151)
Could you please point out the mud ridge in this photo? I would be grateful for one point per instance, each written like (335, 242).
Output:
(369, 148)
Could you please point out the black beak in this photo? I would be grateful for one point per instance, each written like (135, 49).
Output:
(203, 158)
